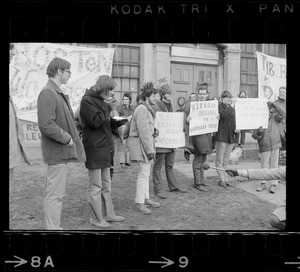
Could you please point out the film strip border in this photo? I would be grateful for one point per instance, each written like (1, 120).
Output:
(152, 251)
(161, 21)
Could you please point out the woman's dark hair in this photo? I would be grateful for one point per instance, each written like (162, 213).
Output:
(128, 94)
(104, 84)
(226, 94)
(241, 93)
(147, 90)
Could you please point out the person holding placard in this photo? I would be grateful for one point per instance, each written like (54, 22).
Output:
(202, 147)
(281, 102)
(164, 155)
(240, 137)
(225, 136)
(269, 143)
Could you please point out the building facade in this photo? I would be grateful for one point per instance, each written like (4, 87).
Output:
(223, 66)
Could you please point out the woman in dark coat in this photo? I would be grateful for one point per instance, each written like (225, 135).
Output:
(225, 136)
(99, 149)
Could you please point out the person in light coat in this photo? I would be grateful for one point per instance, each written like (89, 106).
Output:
(142, 148)
(164, 155)
(60, 141)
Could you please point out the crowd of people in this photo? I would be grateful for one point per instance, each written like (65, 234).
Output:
(94, 135)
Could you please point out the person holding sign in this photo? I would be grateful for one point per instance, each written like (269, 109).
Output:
(202, 147)
(269, 143)
(225, 136)
(60, 142)
(164, 155)
(281, 102)
(142, 148)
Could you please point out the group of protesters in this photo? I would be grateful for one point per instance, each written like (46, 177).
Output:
(97, 138)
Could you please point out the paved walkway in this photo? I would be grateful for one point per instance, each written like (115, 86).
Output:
(249, 186)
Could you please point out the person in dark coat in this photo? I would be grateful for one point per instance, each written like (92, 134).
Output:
(202, 147)
(164, 155)
(99, 148)
(60, 142)
(125, 110)
(225, 136)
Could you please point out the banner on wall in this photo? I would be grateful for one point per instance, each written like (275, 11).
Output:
(27, 71)
(271, 76)
(251, 113)
(204, 117)
(170, 126)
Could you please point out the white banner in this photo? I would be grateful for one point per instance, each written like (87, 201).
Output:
(271, 76)
(251, 113)
(204, 117)
(27, 73)
(170, 126)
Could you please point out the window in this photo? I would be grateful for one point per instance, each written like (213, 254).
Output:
(126, 70)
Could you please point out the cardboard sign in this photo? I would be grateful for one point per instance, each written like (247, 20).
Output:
(251, 113)
(204, 117)
(170, 126)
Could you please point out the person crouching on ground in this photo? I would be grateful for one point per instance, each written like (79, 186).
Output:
(269, 143)
(142, 148)
(164, 155)
(278, 216)
(99, 147)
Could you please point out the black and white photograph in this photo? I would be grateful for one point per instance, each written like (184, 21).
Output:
(147, 136)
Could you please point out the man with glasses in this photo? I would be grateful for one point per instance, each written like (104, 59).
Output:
(60, 142)
(202, 147)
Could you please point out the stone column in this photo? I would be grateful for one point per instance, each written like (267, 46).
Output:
(232, 68)
(146, 71)
(161, 62)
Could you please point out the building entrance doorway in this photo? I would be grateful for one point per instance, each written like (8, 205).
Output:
(184, 78)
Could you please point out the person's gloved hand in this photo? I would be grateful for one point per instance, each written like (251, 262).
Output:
(150, 156)
(260, 131)
(232, 172)
(271, 105)
(156, 133)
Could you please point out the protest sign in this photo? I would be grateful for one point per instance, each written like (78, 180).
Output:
(204, 117)
(271, 76)
(170, 126)
(251, 113)
(27, 71)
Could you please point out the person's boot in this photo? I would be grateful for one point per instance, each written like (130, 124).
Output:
(261, 187)
(222, 184)
(152, 204)
(139, 207)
